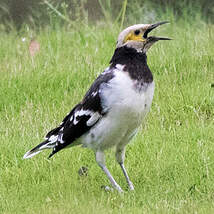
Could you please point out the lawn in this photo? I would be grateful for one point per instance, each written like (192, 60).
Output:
(170, 161)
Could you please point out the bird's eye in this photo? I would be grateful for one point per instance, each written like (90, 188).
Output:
(137, 32)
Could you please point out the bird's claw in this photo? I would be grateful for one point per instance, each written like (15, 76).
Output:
(131, 186)
(110, 189)
(107, 188)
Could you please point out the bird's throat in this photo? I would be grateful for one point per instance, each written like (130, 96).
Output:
(135, 63)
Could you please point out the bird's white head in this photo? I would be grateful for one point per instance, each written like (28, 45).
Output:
(136, 36)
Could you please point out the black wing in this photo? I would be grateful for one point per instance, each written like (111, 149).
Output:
(83, 116)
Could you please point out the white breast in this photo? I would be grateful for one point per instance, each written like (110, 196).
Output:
(122, 95)
(126, 107)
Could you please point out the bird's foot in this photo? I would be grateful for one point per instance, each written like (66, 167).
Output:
(131, 186)
(118, 188)
(110, 189)
(107, 188)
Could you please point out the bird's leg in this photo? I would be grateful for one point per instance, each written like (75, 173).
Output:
(100, 158)
(120, 157)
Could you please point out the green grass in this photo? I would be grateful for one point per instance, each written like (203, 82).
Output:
(170, 162)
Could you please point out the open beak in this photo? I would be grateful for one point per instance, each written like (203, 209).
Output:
(154, 38)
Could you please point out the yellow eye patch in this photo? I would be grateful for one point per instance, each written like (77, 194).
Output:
(132, 36)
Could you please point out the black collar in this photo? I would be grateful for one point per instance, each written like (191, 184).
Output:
(135, 63)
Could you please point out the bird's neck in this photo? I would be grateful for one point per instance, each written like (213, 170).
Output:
(135, 63)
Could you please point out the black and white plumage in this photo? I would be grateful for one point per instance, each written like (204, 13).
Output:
(114, 106)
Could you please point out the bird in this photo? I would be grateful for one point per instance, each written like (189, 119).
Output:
(114, 107)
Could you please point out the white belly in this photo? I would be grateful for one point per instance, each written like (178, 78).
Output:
(127, 108)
